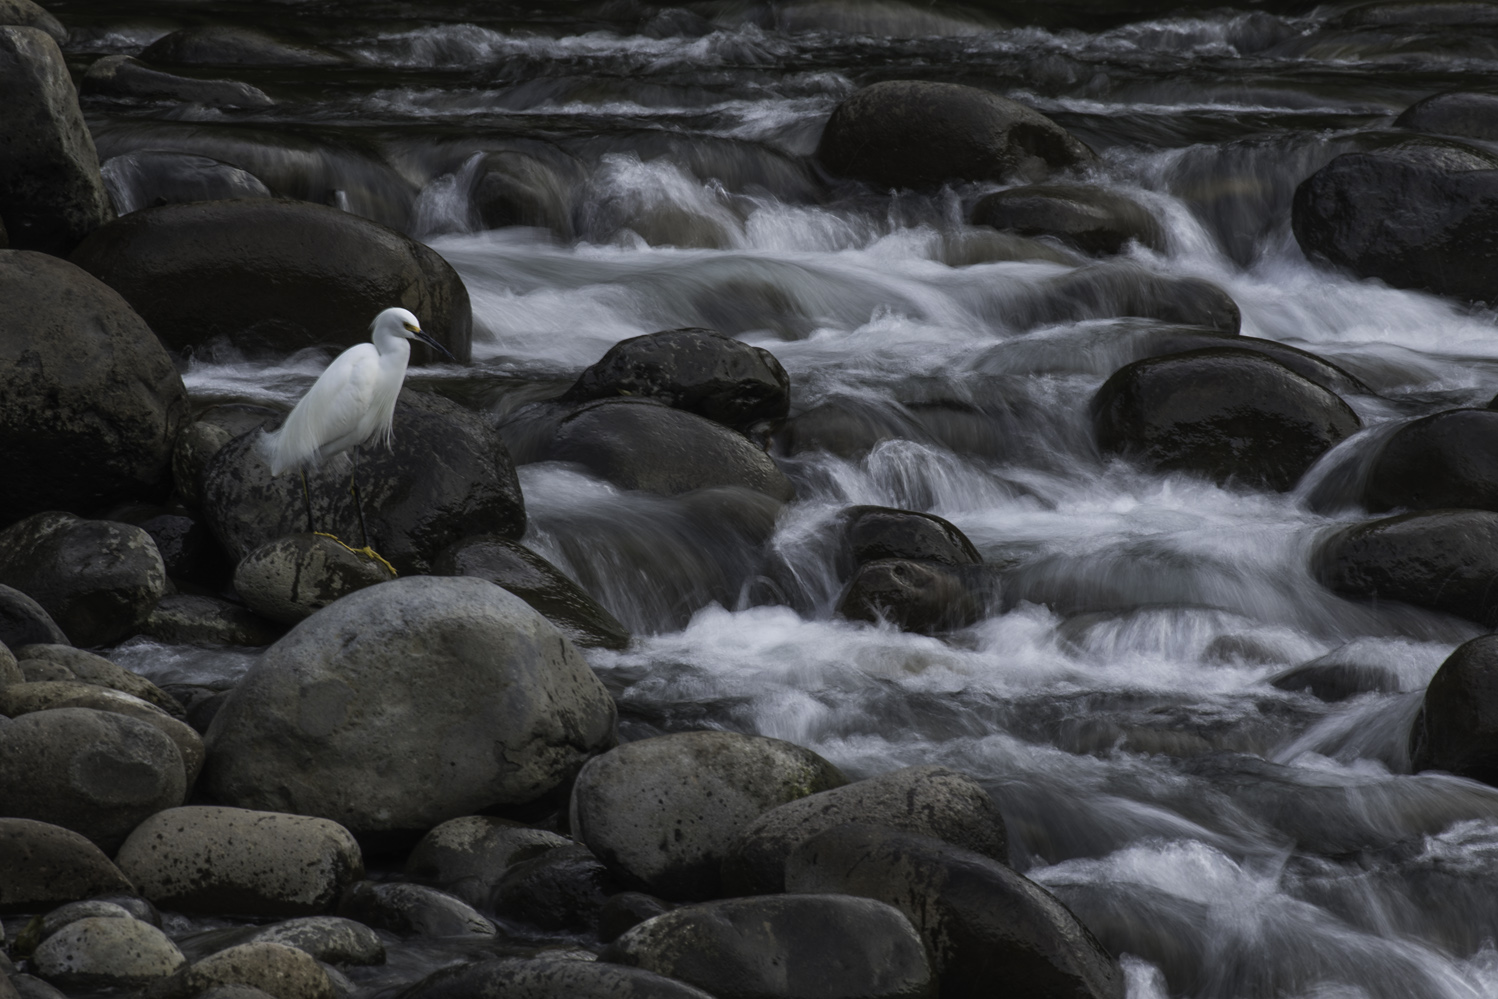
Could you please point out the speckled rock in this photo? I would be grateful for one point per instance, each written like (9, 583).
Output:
(467, 856)
(46, 925)
(193, 449)
(330, 939)
(102, 951)
(563, 889)
(90, 668)
(665, 811)
(352, 714)
(187, 619)
(43, 865)
(413, 910)
(281, 971)
(549, 978)
(25, 698)
(234, 861)
(289, 578)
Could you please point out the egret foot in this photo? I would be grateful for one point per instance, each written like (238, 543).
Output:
(365, 552)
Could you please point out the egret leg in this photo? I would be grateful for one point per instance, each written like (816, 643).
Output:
(307, 498)
(353, 487)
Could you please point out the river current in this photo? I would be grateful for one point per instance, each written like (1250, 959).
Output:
(1227, 838)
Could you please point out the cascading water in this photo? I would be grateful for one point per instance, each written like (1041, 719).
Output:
(1230, 838)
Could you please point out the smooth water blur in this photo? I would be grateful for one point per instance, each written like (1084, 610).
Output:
(1228, 838)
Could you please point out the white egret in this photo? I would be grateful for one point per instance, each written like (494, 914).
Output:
(351, 403)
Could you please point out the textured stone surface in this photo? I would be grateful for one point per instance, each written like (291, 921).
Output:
(42, 865)
(1091, 219)
(26, 14)
(468, 855)
(287, 579)
(90, 668)
(106, 951)
(123, 76)
(281, 971)
(185, 619)
(549, 978)
(23, 699)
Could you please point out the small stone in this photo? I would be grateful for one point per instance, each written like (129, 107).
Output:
(290, 578)
(100, 951)
(46, 925)
(467, 856)
(330, 939)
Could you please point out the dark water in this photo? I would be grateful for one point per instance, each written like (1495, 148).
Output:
(1230, 839)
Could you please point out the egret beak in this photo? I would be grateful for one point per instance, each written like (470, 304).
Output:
(424, 338)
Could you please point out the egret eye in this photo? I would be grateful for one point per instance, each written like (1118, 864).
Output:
(413, 329)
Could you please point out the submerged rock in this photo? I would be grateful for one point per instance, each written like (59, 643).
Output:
(89, 400)
(352, 713)
(1445, 560)
(273, 276)
(1092, 219)
(914, 596)
(1329, 679)
(1457, 728)
(467, 856)
(329, 939)
(51, 194)
(1471, 116)
(665, 811)
(146, 179)
(290, 578)
(784, 947)
(123, 76)
(908, 133)
(232, 45)
(880, 532)
(413, 910)
(43, 865)
(1107, 291)
(1449, 460)
(1224, 413)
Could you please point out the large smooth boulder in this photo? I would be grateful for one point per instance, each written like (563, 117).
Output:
(1471, 116)
(641, 444)
(94, 772)
(1457, 727)
(929, 800)
(1449, 460)
(907, 133)
(468, 856)
(1091, 219)
(233, 45)
(406, 704)
(1444, 560)
(445, 476)
(1223, 413)
(784, 947)
(701, 371)
(539, 583)
(1418, 215)
(89, 400)
(273, 275)
(290, 578)
(1108, 291)
(104, 951)
(25, 698)
(548, 978)
(664, 812)
(982, 922)
(43, 865)
(124, 76)
(96, 578)
(23, 621)
(51, 194)
(223, 861)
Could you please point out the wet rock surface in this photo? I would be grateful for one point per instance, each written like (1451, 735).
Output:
(1449, 460)
(1457, 728)
(222, 45)
(1091, 219)
(289, 579)
(468, 856)
(1113, 290)
(124, 76)
(44, 865)
(412, 910)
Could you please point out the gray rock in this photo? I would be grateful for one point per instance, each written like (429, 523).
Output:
(25, 698)
(231, 45)
(148, 178)
(982, 922)
(784, 947)
(412, 909)
(563, 889)
(1333, 681)
(1472, 116)
(353, 712)
(539, 583)
(95, 772)
(329, 939)
(1091, 219)
(641, 444)
(929, 800)
(51, 195)
(467, 856)
(31, 987)
(195, 447)
(234, 992)
(43, 865)
(234, 861)
(90, 668)
(89, 400)
(23, 621)
(101, 951)
(1109, 291)
(25, 14)
(287, 579)
(283, 972)
(122, 76)
(548, 978)
(185, 619)
(445, 476)
(44, 926)
(10, 669)
(96, 578)
(906, 133)
(42, 671)
(273, 276)
(625, 910)
(665, 811)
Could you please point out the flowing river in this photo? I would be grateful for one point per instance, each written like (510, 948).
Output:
(1226, 837)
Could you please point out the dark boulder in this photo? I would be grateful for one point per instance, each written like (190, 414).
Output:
(626, 910)
(89, 400)
(188, 619)
(1445, 560)
(445, 476)
(1225, 413)
(539, 583)
(329, 939)
(1422, 14)
(1457, 728)
(641, 444)
(51, 195)
(412, 909)
(548, 978)
(1470, 116)
(231, 45)
(784, 947)
(271, 275)
(1107, 291)
(879, 532)
(468, 856)
(1329, 678)
(122, 76)
(43, 865)
(562, 889)
(23, 621)
(982, 922)
(186, 545)
(932, 801)
(148, 178)
(1162, 342)
(26, 14)
(1449, 460)
(698, 370)
(1092, 219)
(290, 578)
(516, 188)
(96, 578)
(1418, 215)
(907, 133)
(915, 596)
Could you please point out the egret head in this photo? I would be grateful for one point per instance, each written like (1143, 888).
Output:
(404, 324)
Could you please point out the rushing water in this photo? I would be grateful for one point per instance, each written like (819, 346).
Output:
(1230, 839)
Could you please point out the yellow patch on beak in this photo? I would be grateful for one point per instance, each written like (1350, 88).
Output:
(413, 329)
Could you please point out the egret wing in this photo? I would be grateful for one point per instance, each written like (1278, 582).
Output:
(330, 412)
